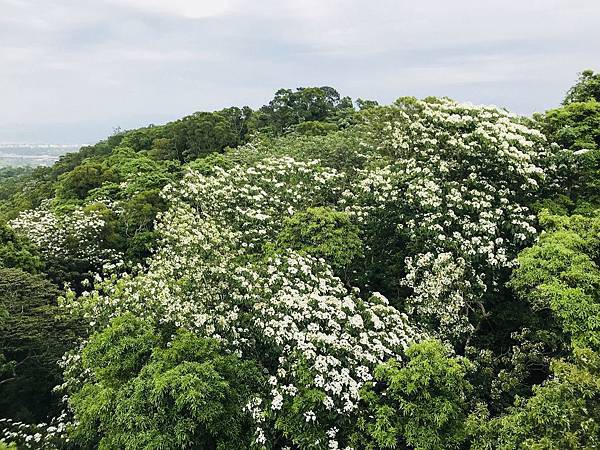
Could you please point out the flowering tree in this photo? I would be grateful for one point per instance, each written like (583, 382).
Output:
(318, 341)
(72, 245)
(250, 244)
(321, 264)
(457, 189)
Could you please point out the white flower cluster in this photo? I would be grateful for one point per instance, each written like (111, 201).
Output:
(253, 200)
(431, 180)
(303, 310)
(73, 236)
(457, 187)
(287, 311)
(38, 436)
(441, 292)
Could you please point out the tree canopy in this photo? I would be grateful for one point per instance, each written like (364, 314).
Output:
(309, 275)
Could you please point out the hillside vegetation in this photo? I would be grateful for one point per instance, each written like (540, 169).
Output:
(310, 275)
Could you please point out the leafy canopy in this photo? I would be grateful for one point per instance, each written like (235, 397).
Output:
(148, 390)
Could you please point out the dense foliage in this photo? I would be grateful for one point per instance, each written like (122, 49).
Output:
(34, 334)
(310, 275)
(146, 393)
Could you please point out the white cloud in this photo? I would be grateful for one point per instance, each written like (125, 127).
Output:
(184, 8)
(75, 61)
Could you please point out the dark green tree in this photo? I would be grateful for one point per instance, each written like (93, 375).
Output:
(587, 88)
(563, 413)
(34, 335)
(16, 252)
(311, 104)
(81, 180)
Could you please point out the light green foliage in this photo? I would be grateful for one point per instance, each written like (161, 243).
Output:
(171, 392)
(120, 351)
(574, 126)
(134, 200)
(322, 233)
(421, 403)
(564, 413)
(9, 446)
(559, 272)
(315, 128)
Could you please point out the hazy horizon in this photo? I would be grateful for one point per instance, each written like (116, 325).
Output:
(71, 72)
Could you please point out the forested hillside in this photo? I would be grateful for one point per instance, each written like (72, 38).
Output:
(314, 274)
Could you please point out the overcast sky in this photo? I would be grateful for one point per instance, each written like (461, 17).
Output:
(72, 70)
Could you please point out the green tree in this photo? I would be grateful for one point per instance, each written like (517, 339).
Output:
(203, 133)
(366, 104)
(564, 413)
(315, 128)
(168, 392)
(575, 126)
(587, 88)
(560, 274)
(420, 404)
(6, 366)
(310, 104)
(81, 180)
(16, 252)
(33, 337)
(323, 233)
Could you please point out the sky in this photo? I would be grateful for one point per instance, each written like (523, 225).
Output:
(71, 71)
